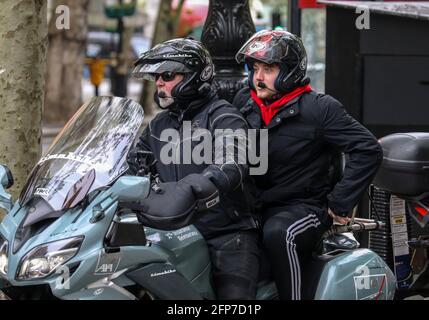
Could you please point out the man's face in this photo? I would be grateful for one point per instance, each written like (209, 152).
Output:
(165, 82)
(266, 73)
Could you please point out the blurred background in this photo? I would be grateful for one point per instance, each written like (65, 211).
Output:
(68, 51)
(373, 56)
(112, 41)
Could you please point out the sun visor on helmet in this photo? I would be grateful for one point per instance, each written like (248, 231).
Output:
(147, 70)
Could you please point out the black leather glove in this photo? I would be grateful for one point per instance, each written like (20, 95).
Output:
(140, 162)
(169, 206)
(205, 191)
(172, 205)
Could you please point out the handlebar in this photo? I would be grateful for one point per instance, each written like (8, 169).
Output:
(356, 225)
(418, 243)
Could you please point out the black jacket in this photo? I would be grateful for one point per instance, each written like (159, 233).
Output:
(303, 137)
(235, 210)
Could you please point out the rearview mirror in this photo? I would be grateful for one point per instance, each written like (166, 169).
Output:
(6, 181)
(131, 188)
(6, 178)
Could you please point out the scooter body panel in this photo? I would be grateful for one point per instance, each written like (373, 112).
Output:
(356, 275)
(188, 253)
(93, 267)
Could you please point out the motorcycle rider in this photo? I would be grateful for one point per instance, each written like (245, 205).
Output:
(305, 130)
(183, 72)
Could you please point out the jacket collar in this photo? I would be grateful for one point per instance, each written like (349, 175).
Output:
(254, 116)
(193, 108)
(270, 111)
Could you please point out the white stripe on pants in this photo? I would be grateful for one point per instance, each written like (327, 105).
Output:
(298, 227)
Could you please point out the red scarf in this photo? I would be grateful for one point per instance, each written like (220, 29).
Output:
(268, 112)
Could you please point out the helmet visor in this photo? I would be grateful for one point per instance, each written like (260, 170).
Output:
(149, 69)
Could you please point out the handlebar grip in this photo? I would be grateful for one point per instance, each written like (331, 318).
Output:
(358, 225)
(418, 243)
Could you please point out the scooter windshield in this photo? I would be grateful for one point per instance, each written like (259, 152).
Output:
(88, 154)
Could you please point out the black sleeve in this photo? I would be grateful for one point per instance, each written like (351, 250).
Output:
(364, 154)
(229, 132)
(241, 98)
(140, 159)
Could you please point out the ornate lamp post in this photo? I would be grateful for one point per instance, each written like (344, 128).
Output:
(228, 25)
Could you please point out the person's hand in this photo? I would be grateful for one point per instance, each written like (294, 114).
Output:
(340, 220)
(201, 184)
(169, 206)
(140, 162)
(205, 191)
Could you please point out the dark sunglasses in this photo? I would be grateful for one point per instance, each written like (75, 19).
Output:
(166, 76)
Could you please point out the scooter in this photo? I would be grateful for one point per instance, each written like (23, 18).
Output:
(404, 176)
(70, 235)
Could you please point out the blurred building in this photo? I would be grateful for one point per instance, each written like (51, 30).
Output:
(380, 73)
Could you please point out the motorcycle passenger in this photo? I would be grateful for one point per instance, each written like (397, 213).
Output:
(305, 130)
(183, 72)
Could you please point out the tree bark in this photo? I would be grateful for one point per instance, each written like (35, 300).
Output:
(23, 46)
(66, 56)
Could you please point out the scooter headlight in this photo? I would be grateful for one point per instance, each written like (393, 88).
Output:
(3, 256)
(45, 259)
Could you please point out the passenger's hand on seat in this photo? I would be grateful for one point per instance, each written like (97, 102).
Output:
(340, 220)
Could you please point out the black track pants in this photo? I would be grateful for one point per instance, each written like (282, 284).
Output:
(290, 236)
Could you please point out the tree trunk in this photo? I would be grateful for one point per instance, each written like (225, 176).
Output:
(23, 46)
(66, 56)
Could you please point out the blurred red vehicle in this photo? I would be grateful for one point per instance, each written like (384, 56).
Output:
(192, 18)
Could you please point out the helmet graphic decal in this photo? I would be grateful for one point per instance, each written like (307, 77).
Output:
(303, 64)
(256, 46)
(207, 73)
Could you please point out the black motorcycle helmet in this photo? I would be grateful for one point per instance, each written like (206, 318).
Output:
(281, 47)
(182, 55)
